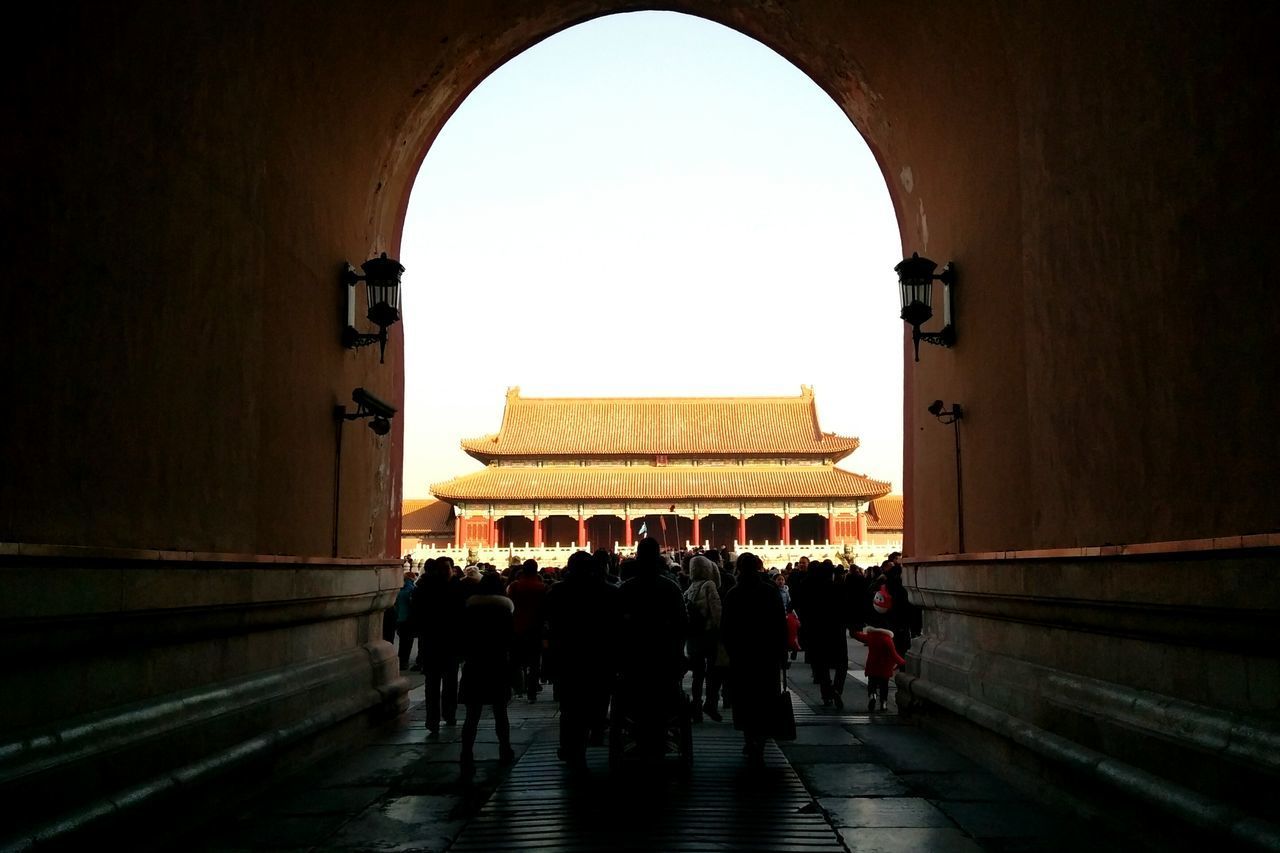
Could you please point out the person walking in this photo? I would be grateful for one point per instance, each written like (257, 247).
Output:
(486, 637)
(754, 628)
(527, 593)
(435, 611)
(651, 646)
(882, 661)
(823, 617)
(404, 624)
(702, 601)
(582, 627)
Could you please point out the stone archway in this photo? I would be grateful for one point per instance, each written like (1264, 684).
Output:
(1088, 176)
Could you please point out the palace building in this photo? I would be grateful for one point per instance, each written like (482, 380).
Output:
(709, 470)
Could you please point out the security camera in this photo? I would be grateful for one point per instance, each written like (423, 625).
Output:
(380, 426)
(372, 405)
(935, 408)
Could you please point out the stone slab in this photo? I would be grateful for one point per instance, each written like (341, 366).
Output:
(371, 765)
(933, 840)
(318, 801)
(803, 754)
(883, 812)
(1004, 820)
(822, 736)
(906, 749)
(851, 780)
(422, 822)
(961, 785)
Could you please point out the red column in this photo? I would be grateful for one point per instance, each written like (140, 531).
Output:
(862, 528)
(626, 522)
(460, 530)
(697, 531)
(537, 532)
(786, 528)
(742, 529)
(831, 528)
(493, 531)
(582, 531)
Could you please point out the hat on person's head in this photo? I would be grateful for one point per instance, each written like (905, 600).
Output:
(774, 572)
(882, 601)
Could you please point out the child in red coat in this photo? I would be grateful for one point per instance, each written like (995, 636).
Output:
(882, 660)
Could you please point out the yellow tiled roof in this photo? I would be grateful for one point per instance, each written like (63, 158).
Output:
(542, 427)
(885, 513)
(425, 515)
(676, 483)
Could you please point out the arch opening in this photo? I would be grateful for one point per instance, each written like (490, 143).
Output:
(733, 255)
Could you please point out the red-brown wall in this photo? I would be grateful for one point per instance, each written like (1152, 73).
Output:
(187, 182)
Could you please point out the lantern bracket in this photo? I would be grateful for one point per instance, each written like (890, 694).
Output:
(353, 338)
(919, 313)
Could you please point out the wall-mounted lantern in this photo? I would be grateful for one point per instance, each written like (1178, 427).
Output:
(915, 281)
(382, 280)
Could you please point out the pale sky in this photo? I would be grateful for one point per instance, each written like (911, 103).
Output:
(649, 204)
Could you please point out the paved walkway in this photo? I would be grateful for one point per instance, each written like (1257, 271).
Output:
(850, 782)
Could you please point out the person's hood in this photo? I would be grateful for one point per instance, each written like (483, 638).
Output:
(702, 569)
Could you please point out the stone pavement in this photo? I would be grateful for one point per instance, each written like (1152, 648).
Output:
(849, 782)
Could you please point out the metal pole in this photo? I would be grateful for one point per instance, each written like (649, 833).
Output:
(339, 413)
(959, 489)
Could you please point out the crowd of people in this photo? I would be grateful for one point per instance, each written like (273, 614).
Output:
(626, 630)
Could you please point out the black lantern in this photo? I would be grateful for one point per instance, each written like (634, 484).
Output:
(915, 283)
(382, 281)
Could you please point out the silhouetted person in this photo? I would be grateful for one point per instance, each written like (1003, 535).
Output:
(527, 593)
(755, 634)
(404, 618)
(583, 614)
(486, 637)
(435, 610)
(651, 646)
(822, 611)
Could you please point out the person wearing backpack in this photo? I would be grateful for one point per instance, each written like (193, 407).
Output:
(702, 600)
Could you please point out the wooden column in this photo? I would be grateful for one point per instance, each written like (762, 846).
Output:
(459, 530)
(697, 531)
(742, 528)
(831, 528)
(786, 528)
(862, 528)
(582, 530)
(626, 523)
(537, 531)
(493, 532)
